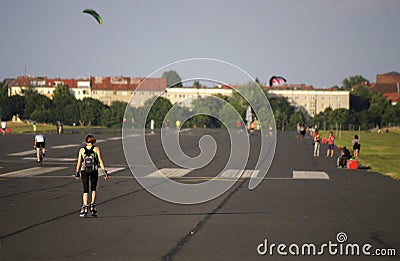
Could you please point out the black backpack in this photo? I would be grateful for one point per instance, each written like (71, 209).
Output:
(89, 163)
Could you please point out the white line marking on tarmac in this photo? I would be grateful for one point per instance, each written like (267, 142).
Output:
(234, 173)
(310, 175)
(51, 159)
(115, 138)
(169, 173)
(31, 172)
(109, 170)
(72, 176)
(65, 146)
(23, 153)
(133, 135)
(113, 170)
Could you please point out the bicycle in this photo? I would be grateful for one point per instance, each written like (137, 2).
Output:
(41, 156)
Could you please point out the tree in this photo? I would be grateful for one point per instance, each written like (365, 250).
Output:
(196, 84)
(158, 110)
(297, 117)
(61, 99)
(205, 107)
(113, 116)
(10, 106)
(181, 114)
(391, 116)
(91, 111)
(377, 108)
(348, 83)
(282, 111)
(3, 90)
(173, 79)
(360, 99)
(38, 107)
(239, 103)
(72, 113)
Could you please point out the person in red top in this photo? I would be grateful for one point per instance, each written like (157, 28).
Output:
(331, 144)
(239, 126)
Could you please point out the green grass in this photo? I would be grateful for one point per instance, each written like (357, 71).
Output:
(379, 151)
(21, 127)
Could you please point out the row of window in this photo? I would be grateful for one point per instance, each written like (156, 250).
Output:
(313, 98)
(323, 106)
(84, 92)
(183, 96)
(123, 93)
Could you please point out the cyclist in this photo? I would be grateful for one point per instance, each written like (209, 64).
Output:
(87, 168)
(40, 142)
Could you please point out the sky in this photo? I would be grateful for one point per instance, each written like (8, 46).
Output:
(315, 42)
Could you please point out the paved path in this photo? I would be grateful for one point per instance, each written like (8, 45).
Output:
(302, 200)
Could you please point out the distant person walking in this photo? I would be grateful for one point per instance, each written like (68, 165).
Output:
(317, 143)
(34, 126)
(87, 168)
(302, 131)
(252, 127)
(239, 126)
(152, 126)
(3, 127)
(60, 127)
(271, 130)
(331, 145)
(298, 129)
(178, 124)
(356, 146)
(133, 122)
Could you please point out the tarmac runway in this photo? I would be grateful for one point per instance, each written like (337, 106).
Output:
(303, 202)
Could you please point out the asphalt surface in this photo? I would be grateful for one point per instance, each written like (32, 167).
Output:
(39, 206)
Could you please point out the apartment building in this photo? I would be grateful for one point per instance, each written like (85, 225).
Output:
(80, 88)
(105, 89)
(184, 96)
(314, 101)
(136, 91)
(148, 88)
(126, 89)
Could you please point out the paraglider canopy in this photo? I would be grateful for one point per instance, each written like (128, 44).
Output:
(94, 14)
(276, 80)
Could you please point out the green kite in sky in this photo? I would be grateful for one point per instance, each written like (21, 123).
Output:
(94, 14)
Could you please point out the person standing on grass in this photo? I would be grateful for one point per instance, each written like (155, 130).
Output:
(356, 146)
(331, 145)
(87, 168)
(34, 126)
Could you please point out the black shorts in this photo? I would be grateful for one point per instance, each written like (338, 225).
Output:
(93, 176)
(40, 144)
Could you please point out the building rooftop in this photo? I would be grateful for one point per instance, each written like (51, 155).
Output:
(384, 87)
(290, 87)
(393, 97)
